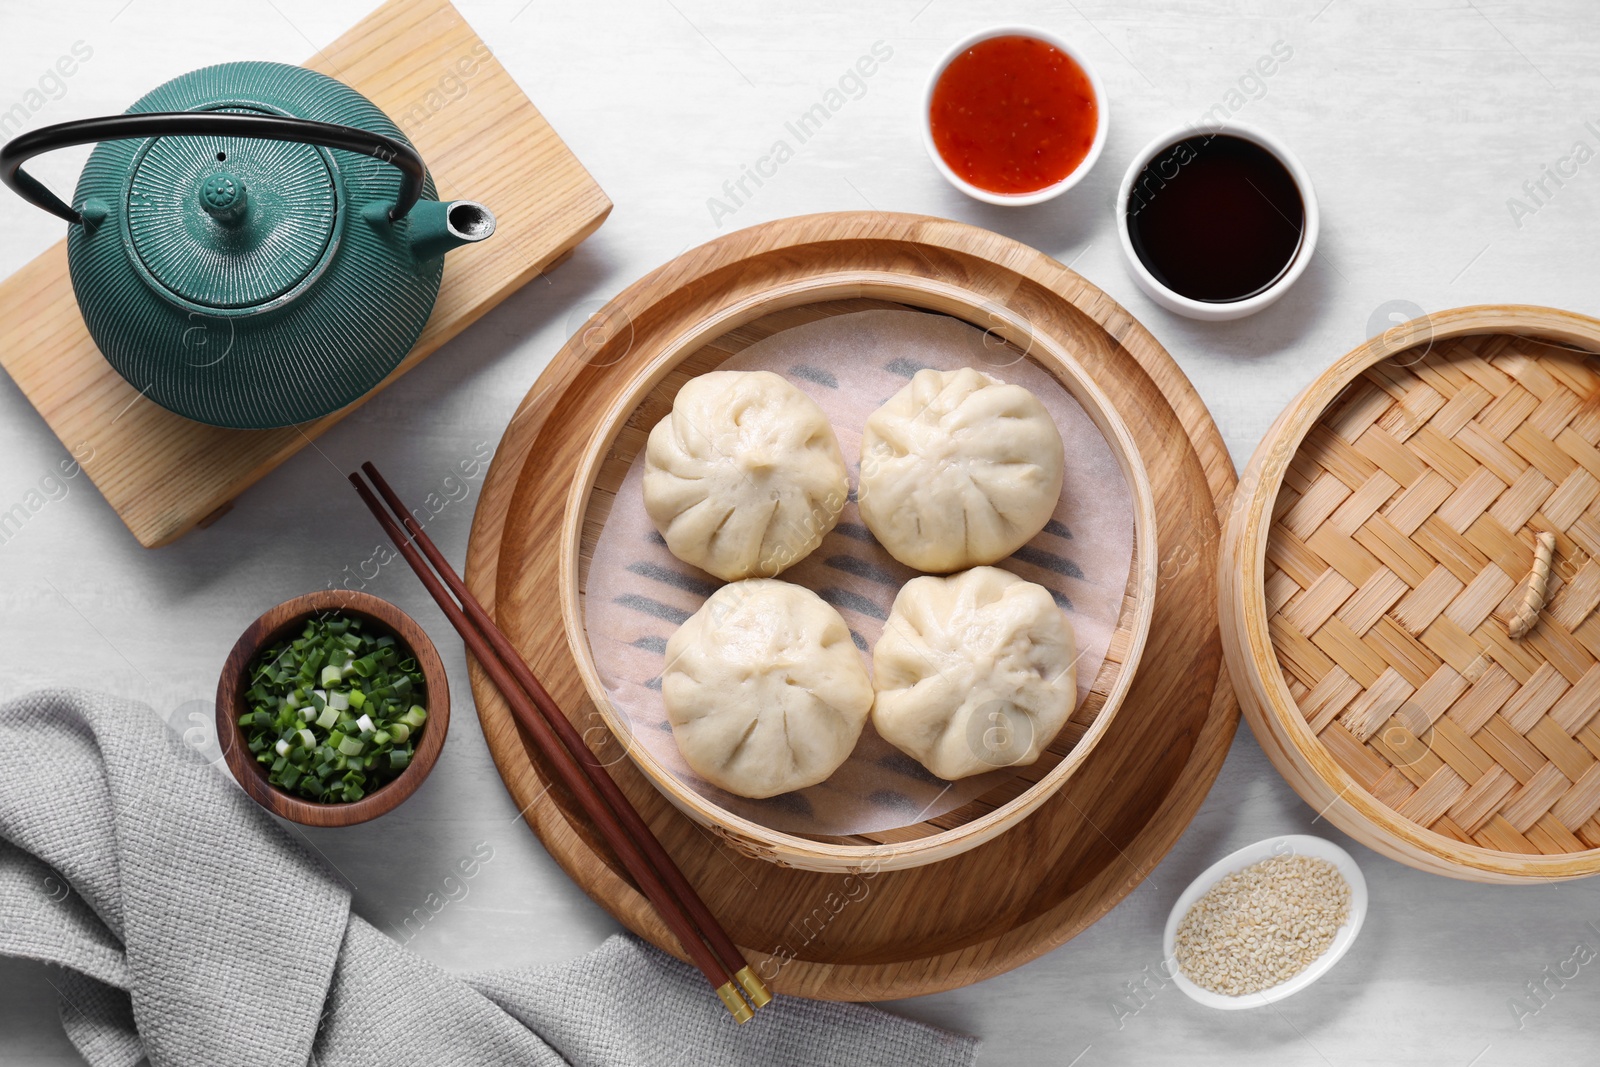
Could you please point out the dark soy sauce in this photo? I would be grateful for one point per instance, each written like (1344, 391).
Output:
(1216, 218)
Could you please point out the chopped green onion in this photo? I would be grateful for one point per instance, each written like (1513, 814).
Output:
(335, 711)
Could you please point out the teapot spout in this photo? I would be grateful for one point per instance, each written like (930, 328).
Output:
(438, 226)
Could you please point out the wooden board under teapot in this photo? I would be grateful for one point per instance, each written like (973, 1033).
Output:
(162, 473)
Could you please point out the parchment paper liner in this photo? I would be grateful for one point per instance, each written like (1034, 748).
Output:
(638, 592)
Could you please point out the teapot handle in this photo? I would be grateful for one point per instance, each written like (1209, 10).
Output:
(201, 124)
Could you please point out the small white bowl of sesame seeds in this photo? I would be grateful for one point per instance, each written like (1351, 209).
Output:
(1264, 922)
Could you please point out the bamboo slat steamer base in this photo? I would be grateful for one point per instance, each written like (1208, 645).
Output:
(1379, 552)
(878, 933)
(163, 474)
(634, 589)
(620, 434)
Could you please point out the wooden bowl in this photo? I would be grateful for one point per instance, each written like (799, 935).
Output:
(685, 352)
(1379, 542)
(284, 621)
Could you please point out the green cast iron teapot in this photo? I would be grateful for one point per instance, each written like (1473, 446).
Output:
(253, 244)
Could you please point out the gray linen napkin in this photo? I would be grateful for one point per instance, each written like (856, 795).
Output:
(160, 888)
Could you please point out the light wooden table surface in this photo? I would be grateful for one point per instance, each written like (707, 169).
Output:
(1420, 124)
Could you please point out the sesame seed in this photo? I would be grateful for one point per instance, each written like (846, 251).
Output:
(1259, 927)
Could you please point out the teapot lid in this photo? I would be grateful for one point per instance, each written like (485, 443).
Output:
(231, 222)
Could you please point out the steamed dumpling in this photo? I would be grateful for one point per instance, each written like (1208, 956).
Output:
(764, 689)
(973, 672)
(744, 477)
(958, 469)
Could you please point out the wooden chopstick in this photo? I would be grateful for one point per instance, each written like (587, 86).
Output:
(699, 914)
(566, 769)
(680, 906)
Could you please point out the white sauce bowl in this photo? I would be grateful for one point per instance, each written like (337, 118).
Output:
(1214, 311)
(1288, 845)
(1038, 196)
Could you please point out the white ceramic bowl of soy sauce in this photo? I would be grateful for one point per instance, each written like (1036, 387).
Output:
(1275, 264)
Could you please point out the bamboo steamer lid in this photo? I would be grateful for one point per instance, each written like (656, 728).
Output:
(1376, 555)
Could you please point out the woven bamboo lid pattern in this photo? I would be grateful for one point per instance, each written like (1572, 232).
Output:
(1400, 543)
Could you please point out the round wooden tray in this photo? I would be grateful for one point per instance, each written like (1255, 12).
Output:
(878, 934)
(646, 398)
(1381, 540)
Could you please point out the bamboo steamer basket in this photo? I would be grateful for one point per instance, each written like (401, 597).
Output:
(621, 433)
(1377, 548)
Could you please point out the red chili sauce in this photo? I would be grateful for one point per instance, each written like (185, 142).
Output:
(1013, 115)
